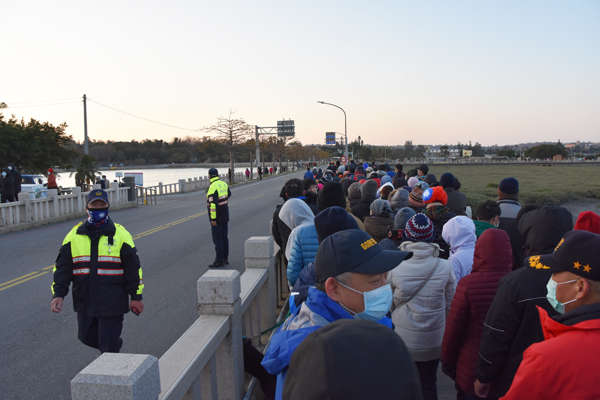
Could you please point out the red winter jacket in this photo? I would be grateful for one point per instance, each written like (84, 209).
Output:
(474, 295)
(565, 365)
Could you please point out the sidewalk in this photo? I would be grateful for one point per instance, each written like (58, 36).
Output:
(445, 386)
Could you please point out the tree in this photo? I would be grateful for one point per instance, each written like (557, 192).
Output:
(86, 171)
(444, 151)
(544, 151)
(34, 146)
(231, 132)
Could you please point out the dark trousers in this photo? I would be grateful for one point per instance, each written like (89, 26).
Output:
(219, 236)
(102, 333)
(7, 199)
(428, 376)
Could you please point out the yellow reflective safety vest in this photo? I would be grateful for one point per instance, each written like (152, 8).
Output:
(104, 268)
(217, 199)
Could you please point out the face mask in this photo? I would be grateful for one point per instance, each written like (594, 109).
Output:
(377, 303)
(4, 174)
(551, 296)
(98, 216)
(10, 168)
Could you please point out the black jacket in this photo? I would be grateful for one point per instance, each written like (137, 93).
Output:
(508, 223)
(457, 201)
(7, 186)
(512, 323)
(99, 295)
(363, 209)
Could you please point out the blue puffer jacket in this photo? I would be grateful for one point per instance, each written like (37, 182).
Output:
(309, 174)
(303, 250)
(317, 311)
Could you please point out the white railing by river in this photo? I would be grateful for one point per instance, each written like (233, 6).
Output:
(207, 361)
(29, 213)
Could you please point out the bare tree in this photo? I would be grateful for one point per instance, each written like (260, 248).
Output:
(231, 132)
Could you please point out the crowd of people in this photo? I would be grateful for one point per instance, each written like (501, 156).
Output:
(392, 274)
(10, 184)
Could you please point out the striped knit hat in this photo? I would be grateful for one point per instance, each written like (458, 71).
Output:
(419, 229)
(415, 199)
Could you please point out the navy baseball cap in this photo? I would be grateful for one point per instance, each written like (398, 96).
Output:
(98, 194)
(355, 251)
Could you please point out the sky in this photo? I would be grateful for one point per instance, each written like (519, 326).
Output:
(434, 72)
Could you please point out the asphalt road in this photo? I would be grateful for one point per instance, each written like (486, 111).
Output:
(39, 350)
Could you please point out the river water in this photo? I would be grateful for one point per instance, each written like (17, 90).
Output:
(151, 176)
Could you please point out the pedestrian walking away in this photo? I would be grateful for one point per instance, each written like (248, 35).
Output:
(217, 198)
(99, 257)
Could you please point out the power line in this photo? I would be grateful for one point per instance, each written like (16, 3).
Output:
(145, 119)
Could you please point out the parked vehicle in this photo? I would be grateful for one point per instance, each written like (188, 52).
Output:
(35, 185)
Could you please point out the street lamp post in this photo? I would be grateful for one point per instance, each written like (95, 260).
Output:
(345, 128)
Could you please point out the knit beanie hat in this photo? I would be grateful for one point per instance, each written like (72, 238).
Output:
(431, 180)
(381, 208)
(509, 186)
(419, 229)
(424, 168)
(413, 181)
(331, 195)
(332, 220)
(398, 200)
(369, 189)
(415, 199)
(588, 221)
(435, 195)
(447, 180)
(354, 190)
(402, 217)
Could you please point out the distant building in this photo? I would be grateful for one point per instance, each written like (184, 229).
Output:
(467, 153)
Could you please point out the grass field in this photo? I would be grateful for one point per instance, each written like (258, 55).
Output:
(547, 185)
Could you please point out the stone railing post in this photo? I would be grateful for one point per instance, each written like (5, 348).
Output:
(258, 252)
(182, 185)
(219, 294)
(118, 376)
(53, 194)
(76, 190)
(25, 198)
(160, 188)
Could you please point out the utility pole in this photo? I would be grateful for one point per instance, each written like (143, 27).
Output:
(85, 137)
(257, 147)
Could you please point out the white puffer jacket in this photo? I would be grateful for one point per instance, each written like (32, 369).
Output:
(421, 322)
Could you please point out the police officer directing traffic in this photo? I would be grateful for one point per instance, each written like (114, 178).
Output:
(217, 198)
(99, 257)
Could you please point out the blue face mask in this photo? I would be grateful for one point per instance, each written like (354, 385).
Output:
(98, 217)
(377, 303)
(4, 174)
(551, 296)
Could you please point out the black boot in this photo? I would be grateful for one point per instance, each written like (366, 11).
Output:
(216, 264)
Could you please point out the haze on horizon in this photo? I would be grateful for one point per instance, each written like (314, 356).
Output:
(432, 72)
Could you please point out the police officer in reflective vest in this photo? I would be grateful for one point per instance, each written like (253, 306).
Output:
(217, 197)
(99, 257)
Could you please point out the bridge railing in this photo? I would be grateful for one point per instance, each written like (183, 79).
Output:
(192, 184)
(207, 361)
(29, 213)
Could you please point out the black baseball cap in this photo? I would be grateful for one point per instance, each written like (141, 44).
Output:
(577, 252)
(352, 359)
(98, 194)
(355, 251)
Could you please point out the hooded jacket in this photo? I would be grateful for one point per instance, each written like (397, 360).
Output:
(565, 365)
(363, 209)
(318, 310)
(512, 323)
(354, 194)
(377, 224)
(7, 185)
(304, 245)
(294, 213)
(474, 294)
(16, 175)
(421, 322)
(459, 233)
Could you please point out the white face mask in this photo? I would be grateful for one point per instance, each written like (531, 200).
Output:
(551, 296)
(10, 168)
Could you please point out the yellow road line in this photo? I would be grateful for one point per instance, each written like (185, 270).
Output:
(44, 271)
(257, 197)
